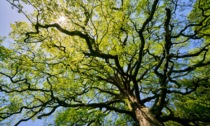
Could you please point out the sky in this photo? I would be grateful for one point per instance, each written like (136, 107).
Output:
(8, 16)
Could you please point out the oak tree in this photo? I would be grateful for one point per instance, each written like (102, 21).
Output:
(108, 62)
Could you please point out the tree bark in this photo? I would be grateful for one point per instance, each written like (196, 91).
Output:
(143, 115)
(145, 118)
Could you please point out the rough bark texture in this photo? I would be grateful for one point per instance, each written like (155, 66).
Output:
(145, 118)
(143, 115)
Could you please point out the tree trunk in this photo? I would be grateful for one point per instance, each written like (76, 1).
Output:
(143, 115)
(145, 118)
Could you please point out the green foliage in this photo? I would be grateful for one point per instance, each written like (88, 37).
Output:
(90, 117)
(104, 62)
(4, 52)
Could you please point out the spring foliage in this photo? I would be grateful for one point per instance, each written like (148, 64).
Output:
(97, 62)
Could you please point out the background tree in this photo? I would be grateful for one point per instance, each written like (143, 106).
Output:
(138, 62)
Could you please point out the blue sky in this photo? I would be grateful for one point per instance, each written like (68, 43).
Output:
(7, 16)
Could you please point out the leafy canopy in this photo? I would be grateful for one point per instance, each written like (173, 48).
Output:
(101, 60)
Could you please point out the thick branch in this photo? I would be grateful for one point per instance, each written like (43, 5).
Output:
(107, 105)
(193, 67)
(141, 48)
(192, 54)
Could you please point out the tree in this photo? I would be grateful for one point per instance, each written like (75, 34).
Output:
(135, 61)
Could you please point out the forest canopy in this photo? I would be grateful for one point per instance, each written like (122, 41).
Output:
(108, 62)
